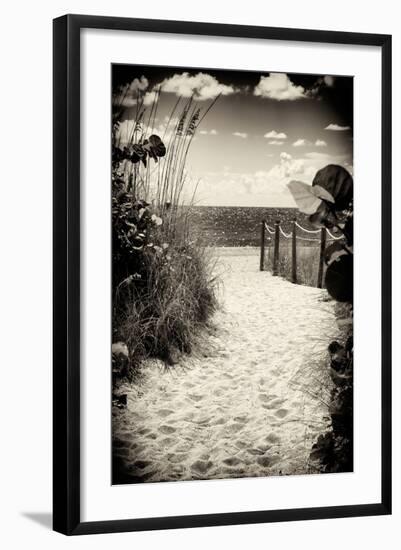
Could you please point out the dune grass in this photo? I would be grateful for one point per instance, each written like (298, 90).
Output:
(307, 263)
(161, 314)
(163, 282)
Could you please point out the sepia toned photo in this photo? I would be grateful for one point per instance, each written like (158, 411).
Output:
(232, 274)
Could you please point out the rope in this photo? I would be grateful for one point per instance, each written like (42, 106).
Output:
(333, 237)
(269, 229)
(307, 230)
(287, 236)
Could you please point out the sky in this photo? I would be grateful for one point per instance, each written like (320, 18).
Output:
(262, 131)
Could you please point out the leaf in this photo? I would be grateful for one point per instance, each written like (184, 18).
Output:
(322, 193)
(338, 182)
(333, 252)
(155, 147)
(339, 279)
(307, 201)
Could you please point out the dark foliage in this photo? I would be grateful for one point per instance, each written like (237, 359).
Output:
(333, 451)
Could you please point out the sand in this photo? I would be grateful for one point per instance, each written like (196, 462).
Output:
(252, 402)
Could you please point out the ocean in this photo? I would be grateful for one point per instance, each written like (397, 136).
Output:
(239, 225)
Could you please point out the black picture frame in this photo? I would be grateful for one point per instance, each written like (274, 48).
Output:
(66, 287)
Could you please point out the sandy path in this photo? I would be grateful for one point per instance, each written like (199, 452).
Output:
(252, 404)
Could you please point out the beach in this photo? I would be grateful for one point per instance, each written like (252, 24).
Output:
(251, 401)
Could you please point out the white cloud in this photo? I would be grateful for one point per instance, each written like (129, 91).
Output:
(128, 94)
(165, 129)
(242, 135)
(139, 84)
(279, 87)
(301, 143)
(242, 189)
(275, 135)
(304, 142)
(288, 167)
(201, 86)
(212, 132)
(149, 98)
(275, 142)
(337, 128)
(263, 187)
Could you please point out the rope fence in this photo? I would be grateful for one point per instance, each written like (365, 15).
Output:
(322, 236)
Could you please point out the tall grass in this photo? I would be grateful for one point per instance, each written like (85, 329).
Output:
(163, 315)
(164, 293)
(164, 184)
(307, 262)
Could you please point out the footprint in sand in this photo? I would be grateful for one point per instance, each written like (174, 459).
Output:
(240, 444)
(167, 441)
(183, 447)
(144, 431)
(264, 397)
(194, 397)
(264, 461)
(167, 429)
(255, 452)
(273, 438)
(278, 401)
(205, 456)
(141, 464)
(233, 428)
(164, 412)
(179, 457)
(219, 421)
(273, 404)
(201, 466)
(232, 461)
(241, 419)
(203, 421)
(137, 448)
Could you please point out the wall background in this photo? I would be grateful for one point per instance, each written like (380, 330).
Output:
(25, 289)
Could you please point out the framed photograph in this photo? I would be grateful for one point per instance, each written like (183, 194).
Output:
(222, 316)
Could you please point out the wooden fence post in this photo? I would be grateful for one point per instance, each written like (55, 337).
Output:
(276, 247)
(294, 252)
(321, 257)
(262, 245)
